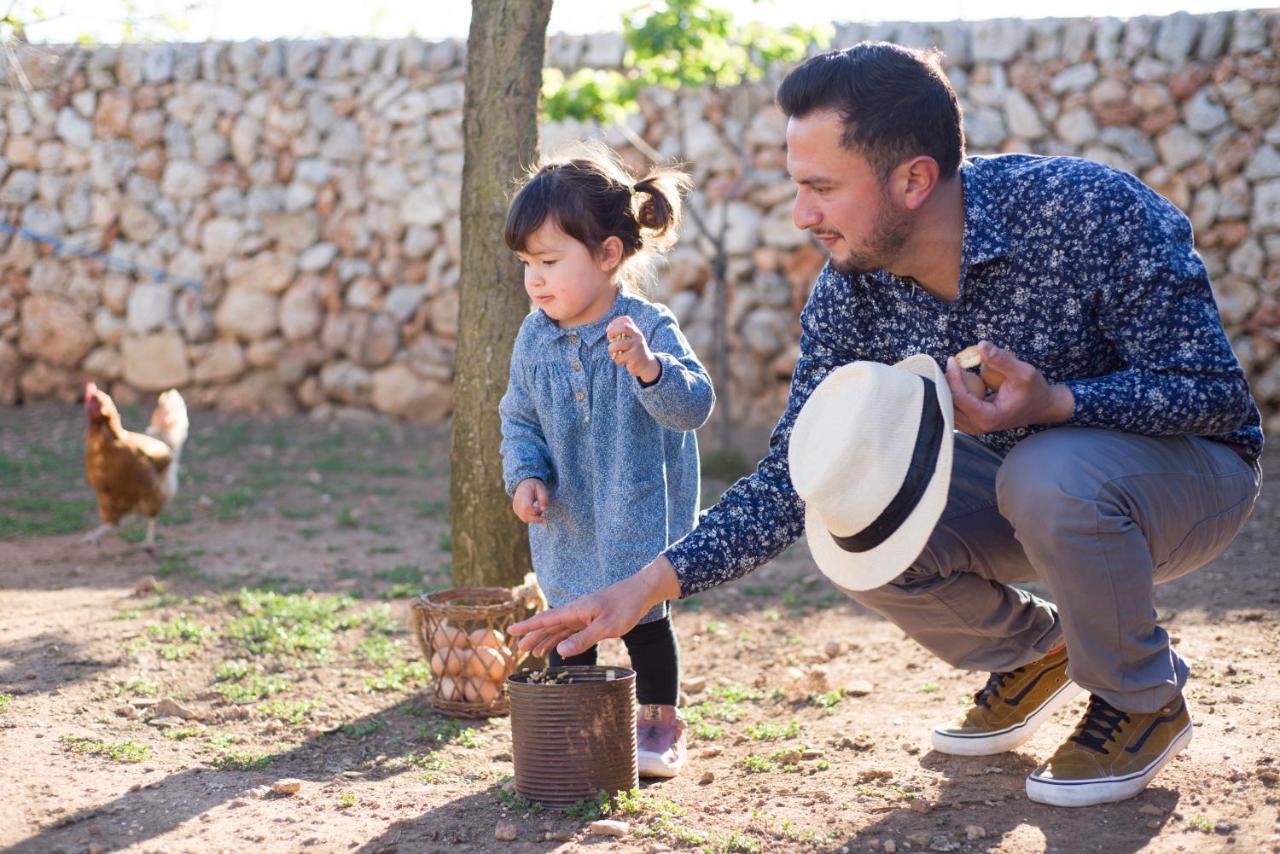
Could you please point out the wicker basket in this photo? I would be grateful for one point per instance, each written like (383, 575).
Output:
(463, 636)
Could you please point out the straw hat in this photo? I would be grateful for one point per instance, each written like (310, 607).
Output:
(871, 458)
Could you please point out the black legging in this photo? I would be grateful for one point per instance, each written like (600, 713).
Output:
(655, 657)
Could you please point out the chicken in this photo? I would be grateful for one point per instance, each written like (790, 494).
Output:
(132, 472)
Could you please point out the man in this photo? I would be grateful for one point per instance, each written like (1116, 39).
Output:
(1120, 451)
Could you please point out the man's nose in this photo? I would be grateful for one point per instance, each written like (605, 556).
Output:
(803, 213)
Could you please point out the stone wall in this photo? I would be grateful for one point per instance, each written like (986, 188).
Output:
(303, 196)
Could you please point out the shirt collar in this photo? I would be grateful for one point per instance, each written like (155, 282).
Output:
(985, 237)
(589, 333)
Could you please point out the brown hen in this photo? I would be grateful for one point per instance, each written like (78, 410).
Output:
(132, 472)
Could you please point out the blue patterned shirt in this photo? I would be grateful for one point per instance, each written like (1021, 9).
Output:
(618, 456)
(1077, 268)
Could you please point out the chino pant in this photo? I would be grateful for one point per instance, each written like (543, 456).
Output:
(1097, 516)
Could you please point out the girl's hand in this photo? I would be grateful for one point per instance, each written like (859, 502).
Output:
(530, 501)
(628, 348)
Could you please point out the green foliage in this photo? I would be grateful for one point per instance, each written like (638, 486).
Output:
(288, 711)
(769, 731)
(5, 701)
(359, 729)
(677, 44)
(240, 760)
(123, 751)
(399, 676)
(276, 623)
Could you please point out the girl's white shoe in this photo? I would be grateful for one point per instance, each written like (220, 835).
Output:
(661, 747)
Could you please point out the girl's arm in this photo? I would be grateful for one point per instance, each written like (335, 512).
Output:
(524, 449)
(681, 398)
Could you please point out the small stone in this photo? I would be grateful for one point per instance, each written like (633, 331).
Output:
(921, 806)
(712, 752)
(834, 649)
(693, 684)
(287, 786)
(126, 711)
(1152, 823)
(169, 707)
(1150, 809)
(609, 827)
(146, 584)
(857, 689)
(506, 831)
(889, 846)
(974, 831)
(706, 778)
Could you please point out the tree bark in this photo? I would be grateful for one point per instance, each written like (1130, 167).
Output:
(505, 50)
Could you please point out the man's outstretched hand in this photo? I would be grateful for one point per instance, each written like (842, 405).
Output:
(609, 613)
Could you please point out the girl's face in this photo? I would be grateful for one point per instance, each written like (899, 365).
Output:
(565, 279)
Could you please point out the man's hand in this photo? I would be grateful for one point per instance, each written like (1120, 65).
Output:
(530, 501)
(628, 348)
(609, 613)
(1023, 399)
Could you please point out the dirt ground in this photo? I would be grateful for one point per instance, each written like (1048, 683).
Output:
(286, 567)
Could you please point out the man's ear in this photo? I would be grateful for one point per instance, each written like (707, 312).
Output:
(914, 181)
(609, 256)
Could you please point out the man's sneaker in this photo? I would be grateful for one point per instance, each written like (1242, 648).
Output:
(1112, 756)
(1010, 708)
(661, 747)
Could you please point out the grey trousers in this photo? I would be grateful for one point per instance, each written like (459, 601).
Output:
(1097, 516)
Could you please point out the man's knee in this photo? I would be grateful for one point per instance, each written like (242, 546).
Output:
(1049, 480)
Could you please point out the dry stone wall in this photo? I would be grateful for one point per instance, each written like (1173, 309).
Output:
(303, 199)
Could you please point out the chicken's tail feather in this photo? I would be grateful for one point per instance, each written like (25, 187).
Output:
(169, 420)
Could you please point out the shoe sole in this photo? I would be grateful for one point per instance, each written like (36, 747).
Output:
(650, 765)
(1086, 793)
(1004, 740)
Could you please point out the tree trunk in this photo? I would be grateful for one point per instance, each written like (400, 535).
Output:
(500, 124)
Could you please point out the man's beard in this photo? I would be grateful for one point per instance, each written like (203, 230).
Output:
(889, 234)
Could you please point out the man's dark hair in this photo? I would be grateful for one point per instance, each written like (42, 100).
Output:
(895, 103)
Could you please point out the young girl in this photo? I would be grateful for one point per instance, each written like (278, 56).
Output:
(598, 449)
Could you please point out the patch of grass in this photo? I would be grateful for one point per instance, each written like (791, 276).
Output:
(300, 512)
(121, 751)
(515, 801)
(378, 648)
(590, 810)
(180, 628)
(309, 533)
(448, 730)
(435, 509)
(769, 731)
(380, 619)
(176, 563)
(735, 693)
(706, 731)
(827, 700)
(930, 688)
(347, 519)
(405, 573)
(399, 676)
(230, 505)
(360, 729)
(43, 516)
(757, 764)
(289, 711)
(713, 627)
(346, 800)
(176, 651)
(6, 700)
(240, 760)
(1200, 823)
(182, 733)
(252, 689)
(137, 687)
(232, 669)
(221, 740)
(280, 624)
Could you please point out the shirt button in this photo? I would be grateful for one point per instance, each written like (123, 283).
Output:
(577, 366)
(586, 419)
(573, 339)
(580, 395)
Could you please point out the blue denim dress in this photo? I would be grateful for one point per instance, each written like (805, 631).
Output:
(619, 457)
